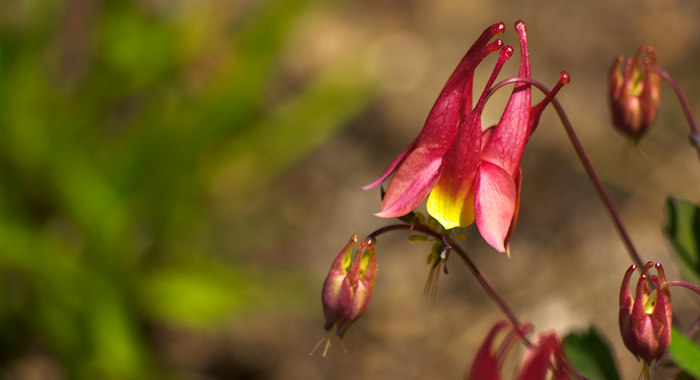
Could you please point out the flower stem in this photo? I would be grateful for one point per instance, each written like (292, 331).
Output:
(693, 329)
(491, 291)
(598, 185)
(694, 136)
(683, 284)
(479, 275)
(581, 153)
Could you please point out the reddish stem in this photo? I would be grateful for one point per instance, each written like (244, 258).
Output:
(694, 136)
(598, 185)
(581, 153)
(480, 277)
(683, 284)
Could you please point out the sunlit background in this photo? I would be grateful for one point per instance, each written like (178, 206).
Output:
(176, 177)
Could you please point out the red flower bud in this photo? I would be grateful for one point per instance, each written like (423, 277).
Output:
(349, 285)
(634, 93)
(544, 360)
(646, 321)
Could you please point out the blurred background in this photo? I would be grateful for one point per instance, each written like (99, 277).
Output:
(176, 177)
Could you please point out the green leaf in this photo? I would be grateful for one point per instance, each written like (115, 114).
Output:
(190, 296)
(590, 354)
(682, 228)
(685, 353)
(417, 238)
(297, 126)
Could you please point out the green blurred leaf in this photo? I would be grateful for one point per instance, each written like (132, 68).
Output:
(201, 293)
(111, 142)
(685, 353)
(191, 296)
(119, 351)
(682, 229)
(590, 354)
(297, 126)
(138, 46)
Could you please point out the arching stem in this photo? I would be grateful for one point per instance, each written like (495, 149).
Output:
(479, 275)
(588, 167)
(694, 136)
(682, 284)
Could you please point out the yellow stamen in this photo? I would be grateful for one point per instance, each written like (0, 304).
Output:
(651, 301)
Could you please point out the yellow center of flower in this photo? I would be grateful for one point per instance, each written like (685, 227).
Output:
(649, 305)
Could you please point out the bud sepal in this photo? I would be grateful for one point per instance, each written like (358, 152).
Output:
(348, 287)
(634, 93)
(646, 320)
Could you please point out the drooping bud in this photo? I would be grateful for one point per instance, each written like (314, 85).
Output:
(646, 320)
(634, 93)
(544, 360)
(349, 285)
(336, 296)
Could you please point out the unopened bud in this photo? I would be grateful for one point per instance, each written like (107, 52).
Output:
(634, 93)
(646, 320)
(349, 285)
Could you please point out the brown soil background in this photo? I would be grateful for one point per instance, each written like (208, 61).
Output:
(567, 260)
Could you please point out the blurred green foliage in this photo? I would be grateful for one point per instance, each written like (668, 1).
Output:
(115, 118)
(682, 230)
(589, 352)
(685, 353)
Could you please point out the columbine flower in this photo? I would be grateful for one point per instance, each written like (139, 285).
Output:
(539, 360)
(634, 94)
(419, 167)
(646, 320)
(348, 287)
(469, 175)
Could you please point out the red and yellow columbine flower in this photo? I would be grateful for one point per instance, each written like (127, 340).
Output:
(646, 320)
(544, 358)
(635, 93)
(468, 174)
(349, 286)
(418, 168)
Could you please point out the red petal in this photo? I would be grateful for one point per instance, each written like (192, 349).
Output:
(494, 204)
(412, 182)
(453, 103)
(517, 181)
(390, 169)
(538, 360)
(485, 365)
(507, 141)
(337, 293)
(450, 203)
(361, 277)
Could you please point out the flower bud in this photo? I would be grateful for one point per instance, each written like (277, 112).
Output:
(543, 360)
(634, 93)
(646, 321)
(349, 285)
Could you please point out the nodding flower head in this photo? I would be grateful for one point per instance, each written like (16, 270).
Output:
(466, 173)
(634, 93)
(349, 286)
(646, 320)
(452, 128)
